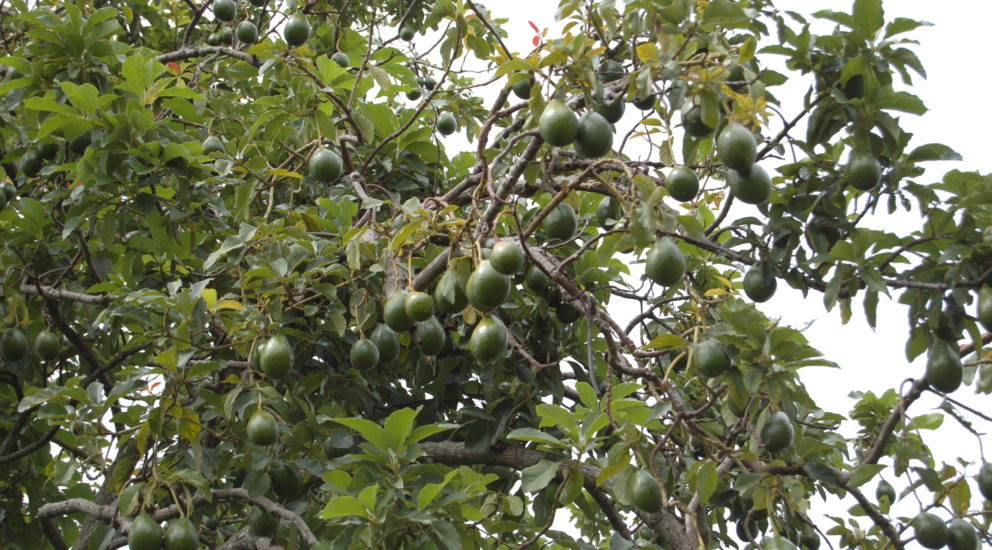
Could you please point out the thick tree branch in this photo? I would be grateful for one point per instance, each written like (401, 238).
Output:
(187, 53)
(106, 513)
(59, 294)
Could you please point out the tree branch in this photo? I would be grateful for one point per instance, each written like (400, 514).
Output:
(187, 53)
(59, 294)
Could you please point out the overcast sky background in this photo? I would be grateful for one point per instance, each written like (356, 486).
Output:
(956, 93)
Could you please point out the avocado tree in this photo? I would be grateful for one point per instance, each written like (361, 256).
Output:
(252, 299)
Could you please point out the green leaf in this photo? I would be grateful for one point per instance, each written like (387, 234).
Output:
(47, 104)
(706, 481)
(863, 474)
(868, 16)
(933, 151)
(960, 493)
(555, 415)
(903, 101)
(902, 24)
(536, 477)
(398, 426)
(423, 432)
(587, 395)
(343, 506)
(930, 421)
(537, 436)
(370, 431)
(82, 97)
(821, 473)
(447, 535)
(666, 341)
(431, 490)
(724, 13)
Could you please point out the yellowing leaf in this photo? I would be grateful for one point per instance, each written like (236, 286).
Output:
(715, 292)
(648, 52)
(284, 173)
(230, 304)
(209, 296)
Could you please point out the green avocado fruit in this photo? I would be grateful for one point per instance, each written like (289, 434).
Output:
(736, 147)
(984, 313)
(961, 535)
(286, 481)
(394, 312)
(863, 171)
(537, 280)
(777, 433)
(808, 538)
(431, 335)
(612, 112)
(665, 263)
(47, 346)
(225, 10)
(760, 282)
(608, 212)
(693, 123)
(487, 288)
(507, 257)
(567, 313)
(419, 306)
(645, 103)
(710, 358)
(297, 30)
(341, 59)
(644, 492)
(145, 534)
(446, 124)
(558, 124)
(682, 184)
(595, 136)
(944, 370)
(247, 32)
(13, 344)
(262, 429)
(181, 535)
(488, 340)
(387, 342)
(522, 88)
(325, 166)
(262, 523)
(561, 222)
(984, 479)
(886, 490)
(930, 531)
(275, 357)
(364, 354)
(751, 185)
(449, 294)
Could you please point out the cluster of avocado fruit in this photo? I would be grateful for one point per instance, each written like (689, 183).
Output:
(182, 534)
(146, 534)
(930, 530)
(225, 11)
(14, 345)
